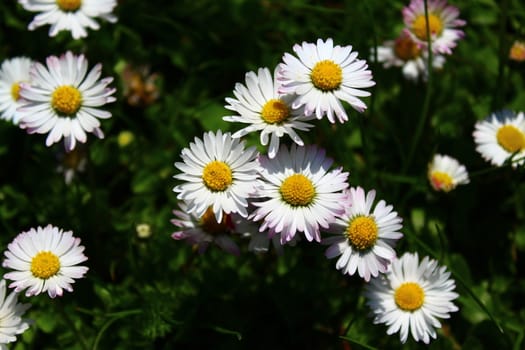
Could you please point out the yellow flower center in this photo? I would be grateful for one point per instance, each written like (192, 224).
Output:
(210, 225)
(327, 75)
(406, 49)
(362, 232)
(69, 5)
(217, 176)
(441, 181)
(510, 138)
(44, 265)
(297, 190)
(275, 111)
(66, 99)
(409, 296)
(419, 27)
(15, 91)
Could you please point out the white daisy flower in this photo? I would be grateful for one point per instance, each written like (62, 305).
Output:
(412, 296)
(11, 312)
(364, 237)
(404, 52)
(72, 15)
(62, 101)
(445, 173)
(301, 193)
(201, 231)
(322, 77)
(259, 104)
(217, 172)
(44, 259)
(442, 21)
(13, 72)
(501, 137)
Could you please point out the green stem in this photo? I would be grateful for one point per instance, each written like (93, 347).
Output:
(115, 316)
(71, 324)
(502, 58)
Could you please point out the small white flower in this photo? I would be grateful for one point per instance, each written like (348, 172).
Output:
(13, 72)
(411, 296)
(44, 259)
(72, 15)
(445, 173)
(11, 312)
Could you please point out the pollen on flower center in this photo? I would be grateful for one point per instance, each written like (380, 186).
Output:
(44, 265)
(419, 27)
(327, 75)
(409, 296)
(511, 138)
(15, 91)
(275, 111)
(406, 49)
(297, 190)
(362, 232)
(217, 176)
(441, 181)
(210, 225)
(69, 5)
(66, 99)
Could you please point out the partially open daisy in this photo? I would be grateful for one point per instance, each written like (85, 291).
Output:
(63, 101)
(259, 104)
(501, 137)
(217, 172)
(322, 77)
(442, 22)
(72, 15)
(412, 296)
(364, 238)
(44, 260)
(301, 193)
(11, 312)
(13, 72)
(404, 52)
(445, 173)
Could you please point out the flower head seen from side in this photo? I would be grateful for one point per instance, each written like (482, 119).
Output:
(72, 15)
(11, 312)
(217, 172)
(12, 72)
(443, 22)
(44, 260)
(445, 173)
(201, 231)
(63, 101)
(364, 237)
(404, 52)
(300, 193)
(322, 76)
(259, 104)
(412, 296)
(501, 137)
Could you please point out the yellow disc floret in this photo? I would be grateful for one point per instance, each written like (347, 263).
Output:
(409, 296)
(15, 91)
(69, 5)
(210, 225)
(44, 265)
(217, 176)
(297, 190)
(435, 26)
(362, 232)
(327, 75)
(441, 181)
(66, 100)
(406, 49)
(275, 111)
(511, 138)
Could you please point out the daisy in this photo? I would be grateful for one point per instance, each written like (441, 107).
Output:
(322, 77)
(217, 172)
(203, 230)
(412, 296)
(404, 52)
(301, 193)
(63, 101)
(44, 259)
(12, 73)
(501, 137)
(445, 173)
(11, 312)
(364, 237)
(72, 15)
(517, 51)
(442, 22)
